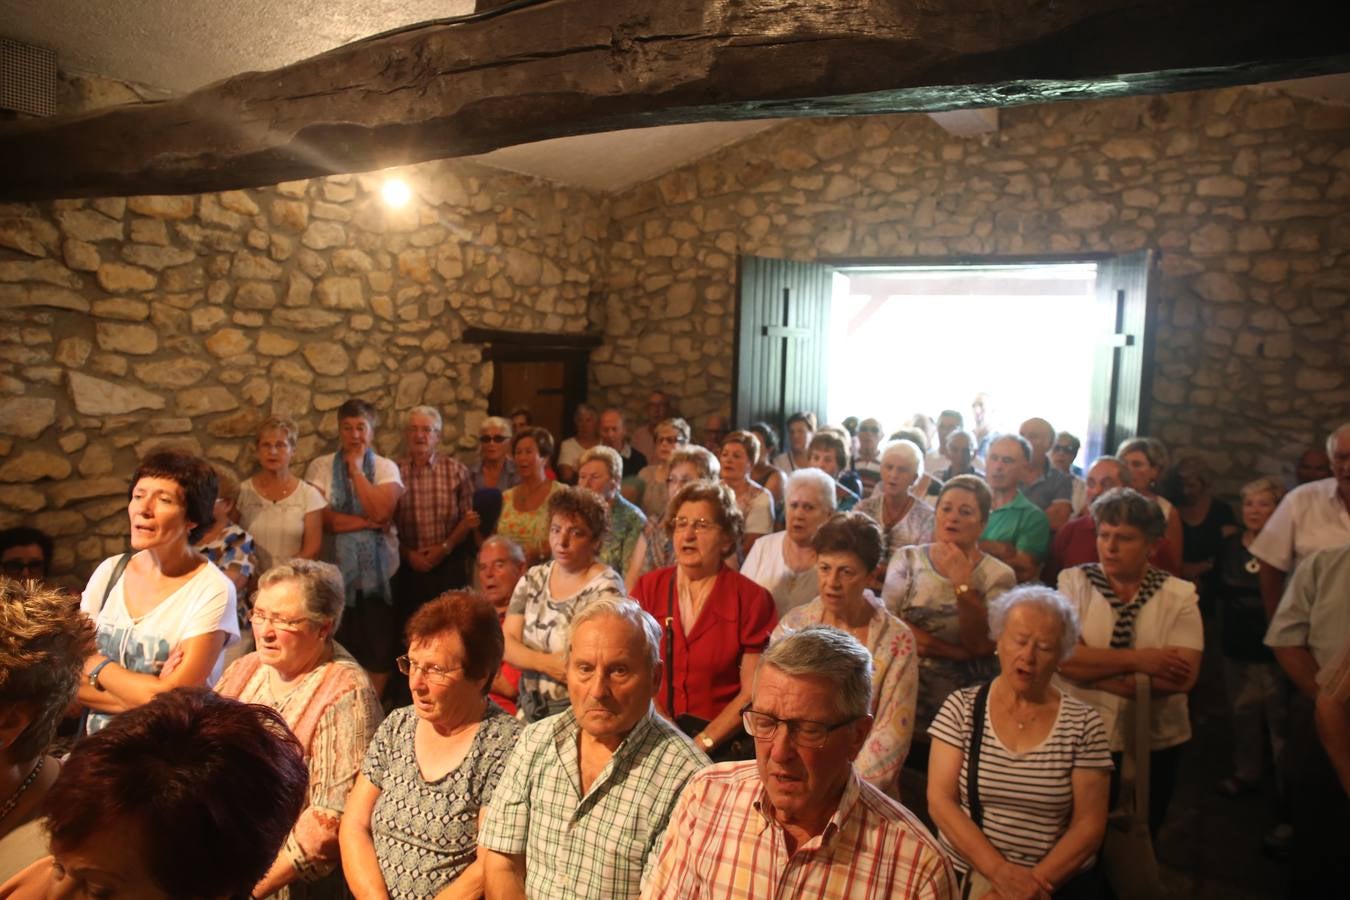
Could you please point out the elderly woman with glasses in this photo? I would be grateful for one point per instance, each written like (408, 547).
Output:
(494, 468)
(649, 488)
(1041, 769)
(653, 550)
(905, 519)
(716, 621)
(848, 548)
(327, 702)
(411, 829)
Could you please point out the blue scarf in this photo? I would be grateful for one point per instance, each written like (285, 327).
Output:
(359, 553)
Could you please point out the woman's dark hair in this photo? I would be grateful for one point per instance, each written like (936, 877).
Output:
(851, 532)
(215, 786)
(767, 436)
(194, 475)
(543, 441)
(359, 409)
(44, 641)
(806, 418)
(23, 536)
(473, 617)
(585, 506)
(972, 484)
(829, 440)
(1126, 506)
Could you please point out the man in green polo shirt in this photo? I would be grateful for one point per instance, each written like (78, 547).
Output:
(1018, 531)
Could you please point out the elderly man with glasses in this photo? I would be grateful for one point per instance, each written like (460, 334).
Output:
(799, 821)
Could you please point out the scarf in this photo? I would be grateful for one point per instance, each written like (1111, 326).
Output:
(1122, 634)
(358, 552)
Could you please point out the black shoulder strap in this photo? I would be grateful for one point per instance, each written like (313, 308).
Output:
(670, 644)
(973, 766)
(116, 576)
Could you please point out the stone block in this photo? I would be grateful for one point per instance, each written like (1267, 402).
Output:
(88, 225)
(68, 492)
(118, 277)
(228, 342)
(81, 255)
(22, 296)
(203, 400)
(26, 417)
(324, 235)
(21, 498)
(35, 465)
(96, 397)
(327, 357)
(256, 295)
(118, 338)
(254, 267)
(178, 207)
(173, 373)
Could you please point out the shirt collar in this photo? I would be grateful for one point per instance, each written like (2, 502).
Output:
(431, 461)
(849, 799)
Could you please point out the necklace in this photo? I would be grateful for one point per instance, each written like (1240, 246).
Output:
(14, 798)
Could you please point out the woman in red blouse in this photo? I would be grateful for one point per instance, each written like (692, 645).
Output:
(716, 622)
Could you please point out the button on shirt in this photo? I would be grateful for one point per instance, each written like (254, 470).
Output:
(595, 845)
(435, 497)
(1311, 517)
(724, 844)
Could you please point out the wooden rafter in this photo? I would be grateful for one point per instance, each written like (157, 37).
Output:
(565, 67)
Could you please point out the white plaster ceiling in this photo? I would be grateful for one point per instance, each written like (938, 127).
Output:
(176, 46)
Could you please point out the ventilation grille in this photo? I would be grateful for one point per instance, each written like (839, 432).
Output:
(27, 78)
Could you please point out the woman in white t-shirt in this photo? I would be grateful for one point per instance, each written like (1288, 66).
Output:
(283, 513)
(162, 612)
(1135, 618)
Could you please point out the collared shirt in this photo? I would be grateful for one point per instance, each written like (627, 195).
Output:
(436, 495)
(1315, 609)
(1051, 486)
(725, 844)
(626, 522)
(1022, 524)
(508, 478)
(1311, 517)
(595, 844)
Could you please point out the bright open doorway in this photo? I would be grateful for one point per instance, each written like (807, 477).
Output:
(925, 339)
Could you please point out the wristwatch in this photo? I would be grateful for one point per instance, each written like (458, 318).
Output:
(963, 589)
(704, 741)
(93, 675)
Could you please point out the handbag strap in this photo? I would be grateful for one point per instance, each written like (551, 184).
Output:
(973, 767)
(670, 644)
(1143, 733)
(116, 577)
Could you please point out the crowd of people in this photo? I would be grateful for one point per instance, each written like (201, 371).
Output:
(597, 641)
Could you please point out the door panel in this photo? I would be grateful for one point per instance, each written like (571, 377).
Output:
(1123, 369)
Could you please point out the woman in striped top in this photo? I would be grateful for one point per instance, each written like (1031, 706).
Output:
(1043, 763)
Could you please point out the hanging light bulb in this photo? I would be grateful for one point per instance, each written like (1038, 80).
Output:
(396, 193)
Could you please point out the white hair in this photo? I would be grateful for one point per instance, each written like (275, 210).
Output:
(815, 478)
(827, 653)
(503, 425)
(1043, 598)
(1344, 428)
(910, 449)
(429, 411)
(627, 610)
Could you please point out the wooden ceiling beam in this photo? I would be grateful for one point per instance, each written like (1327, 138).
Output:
(563, 67)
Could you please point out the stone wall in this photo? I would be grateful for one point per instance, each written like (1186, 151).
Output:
(129, 322)
(1245, 193)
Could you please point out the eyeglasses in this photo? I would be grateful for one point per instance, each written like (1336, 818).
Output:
(434, 674)
(262, 620)
(668, 439)
(19, 566)
(492, 439)
(801, 732)
(868, 429)
(1061, 448)
(699, 525)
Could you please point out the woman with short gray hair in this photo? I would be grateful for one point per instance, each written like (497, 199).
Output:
(1019, 771)
(494, 468)
(784, 563)
(1135, 619)
(327, 701)
(905, 520)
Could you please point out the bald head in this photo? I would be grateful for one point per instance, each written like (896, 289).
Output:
(1041, 435)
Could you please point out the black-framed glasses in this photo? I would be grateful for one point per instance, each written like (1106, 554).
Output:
(263, 619)
(492, 439)
(801, 732)
(16, 567)
(1061, 448)
(433, 673)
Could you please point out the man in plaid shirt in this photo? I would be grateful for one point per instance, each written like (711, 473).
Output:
(582, 804)
(799, 822)
(434, 517)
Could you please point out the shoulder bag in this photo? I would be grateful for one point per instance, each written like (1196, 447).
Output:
(1127, 854)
